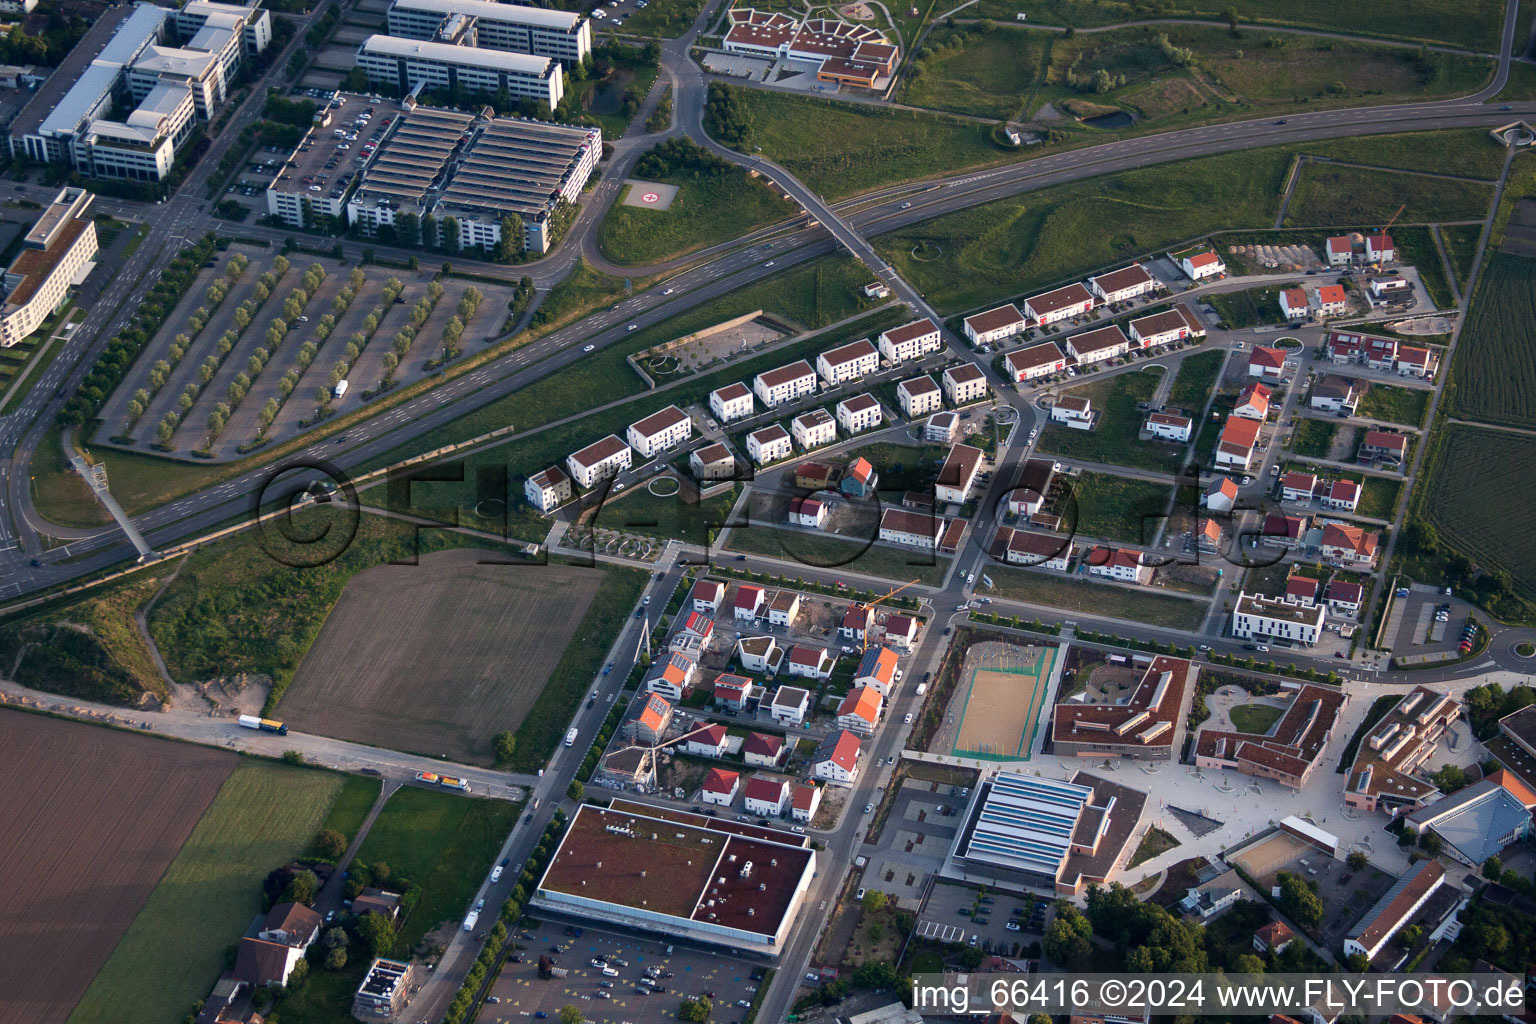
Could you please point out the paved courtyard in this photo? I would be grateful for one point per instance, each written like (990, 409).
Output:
(921, 828)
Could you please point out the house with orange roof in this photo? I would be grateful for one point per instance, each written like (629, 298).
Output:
(860, 710)
(1350, 545)
(1234, 449)
(672, 677)
(877, 669)
(837, 758)
(860, 479)
(1253, 402)
(1265, 362)
(648, 718)
(1294, 305)
(1332, 300)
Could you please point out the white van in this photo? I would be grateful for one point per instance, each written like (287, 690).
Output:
(609, 972)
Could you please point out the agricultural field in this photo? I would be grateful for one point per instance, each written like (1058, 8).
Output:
(1495, 366)
(971, 258)
(1083, 595)
(1117, 508)
(1113, 439)
(74, 891)
(1333, 196)
(264, 815)
(841, 149)
(468, 651)
(1486, 524)
(1395, 405)
(444, 843)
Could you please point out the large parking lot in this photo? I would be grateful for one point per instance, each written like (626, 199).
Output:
(521, 994)
(962, 913)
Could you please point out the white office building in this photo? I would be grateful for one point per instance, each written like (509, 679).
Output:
(403, 65)
(1257, 617)
(513, 28)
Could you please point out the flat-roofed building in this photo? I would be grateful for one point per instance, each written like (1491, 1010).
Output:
(56, 252)
(1061, 304)
(732, 402)
(599, 461)
(561, 35)
(958, 474)
(919, 397)
(848, 362)
(661, 430)
(403, 174)
(1146, 725)
(994, 325)
(859, 413)
(1390, 914)
(770, 444)
(1479, 821)
(403, 65)
(1290, 751)
(1027, 496)
(384, 990)
(1098, 345)
(844, 53)
(910, 341)
(1257, 617)
(965, 384)
(548, 489)
(813, 429)
(1040, 360)
(712, 462)
(1045, 834)
(1385, 773)
(913, 529)
(785, 384)
(1123, 284)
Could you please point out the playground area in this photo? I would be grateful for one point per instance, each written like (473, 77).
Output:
(1000, 697)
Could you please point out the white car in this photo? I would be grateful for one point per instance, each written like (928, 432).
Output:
(768, 264)
(907, 720)
(588, 348)
(632, 327)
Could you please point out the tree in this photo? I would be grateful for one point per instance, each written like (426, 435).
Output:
(1429, 842)
(298, 975)
(1298, 901)
(505, 742)
(1357, 963)
(695, 1010)
(335, 937)
(875, 974)
(330, 843)
(376, 932)
(575, 790)
(1493, 869)
(1356, 861)
(1064, 946)
(874, 901)
(293, 757)
(336, 958)
(302, 888)
(570, 1013)
(511, 242)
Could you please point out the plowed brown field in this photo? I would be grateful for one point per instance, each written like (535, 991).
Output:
(89, 819)
(437, 658)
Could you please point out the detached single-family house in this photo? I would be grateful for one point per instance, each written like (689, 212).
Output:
(732, 402)
(1234, 449)
(1294, 305)
(965, 384)
(1301, 590)
(813, 429)
(1117, 564)
(712, 462)
(1332, 300)
(1379, 249)
(783, 608)
(877, 669)
(259, 962)
(901, 631)
(1298, 486)
(548, 489)
(919, 397)
(1210, 898)
(759, 654)
(1342, 495)
(857, 414)
(1209, 537)
(811, 662)
(672, 677)
(1341, 250)
(1253, 402)
(910, 341)
(804, 802)
(815, 476)
(707, 595)
(856, 622)
(1334, 394)
(994, 325)
(1275, 936)
(1280, 531)
(1198, 266)
(1124, 284)
(1040, 360)
(719, 787)
(1220, 494)
(770, 444)
(1075, 411)
(732, 691)
(1028, 494)
(860, 710)
(1267, 363)
(860, 479)
(837, 758)
(958, 474)
(790, 705)
(1167, 426)
(292, 924)
(1382, 445)
(706, 741)
(1351, 545)
(811, 512)
(1343, 597)
(764, 750)
(766, 796)
(647, 718)
(750, 603)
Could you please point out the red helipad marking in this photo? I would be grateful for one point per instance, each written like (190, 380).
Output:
(650, 197)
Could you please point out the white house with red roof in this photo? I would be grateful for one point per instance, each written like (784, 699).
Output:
(1351, 545)
(804, 802)
(1379, 249)
(837, 758)
(1201, 264)
(1267, 363)
(732, 402)
(1253, 402)
(1298, 486)
(810, 662)
(877, 669)
(1341, 251)
(1301, 590)
(901, 631)
(1382, 444)
(720, 787)
(1343, 495)
(732, 691)
(860, 710)
(1343, 597)
(707, 742)
(856, 622)
(766, 796)
(1220, 494)
(1234, 448)
(1035, 361)
(750, 603)
(1061, 304)
(700, 625)
(1294, 304)
(1332, 300)
(994, 325)
(764, 749)
(808, 512)
(707, 595)
(1118, 564)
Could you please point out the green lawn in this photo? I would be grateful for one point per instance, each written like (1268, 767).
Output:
(707, 210)
(821, 551)
(585, 291)
(1334, 196)
(973, 70)
(1416, 248)
(1118, 508)
(903, 467)
(972, 258)
(840, 149)
(264, 816)
(1395, 405)
(1379, 496)
(1469, 152)
(1255, 718)
(352, 805)
(1461, 246)
(1192, 386)
(1313, 437)
(637, 510)
(1114, 437)
(661, 19)
(59, 493)
(1079, 594)
(1248, 308)
(444, 843)
(1155, 842)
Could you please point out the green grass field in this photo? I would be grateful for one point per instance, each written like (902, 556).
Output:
(840, 149)
(1395, 405)
(1313, 437)
(974, 71)
(1495, 366)
(1060, 233)
(661, 19)
(640, 511)
(1255, 718)
(583, 292)
(1461, 246)
(820, 551)
(707, 210)
(1351, 196)
(1463, 151)
(264, 815)
(1192, 386)
(1119, 508)
(1485, 523)
(352, 805)
(1379, 496)
(1248, 308)
(1114, 437)
(1079, 594)
(443, 842)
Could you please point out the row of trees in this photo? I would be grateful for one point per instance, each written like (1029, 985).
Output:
(359, 341)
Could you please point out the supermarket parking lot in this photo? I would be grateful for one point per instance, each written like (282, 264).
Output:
(523, 995)
(942, 920)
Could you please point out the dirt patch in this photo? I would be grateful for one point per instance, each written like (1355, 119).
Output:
(437, 658)
(73, 891)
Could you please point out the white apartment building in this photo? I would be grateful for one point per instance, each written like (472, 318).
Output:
(958, 474)
(813, 428)
(1061, 304)
(660, 431)
(861, 412)
(712, 462)
(1040, 360)
(599, 461)
(994, 325)
(965, 384)
(913, 529)
(56, 250)
(785, 384)
(1124, 284)
(1098, 345)
(403, 65)
(559, 35)
(848, 362)
(732, 402)
(548, 489)
(1257, 617)
(1167, 327)
(910, 341)
(919, 397)
(769, 444)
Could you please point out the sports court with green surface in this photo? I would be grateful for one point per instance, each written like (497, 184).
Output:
(1003, 686)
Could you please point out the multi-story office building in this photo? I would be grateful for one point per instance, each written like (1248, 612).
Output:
(57, 248)
(404, 65)
(512, 28)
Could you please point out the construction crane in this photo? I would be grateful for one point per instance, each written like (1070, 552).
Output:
(1387, 227)
(870, 604)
